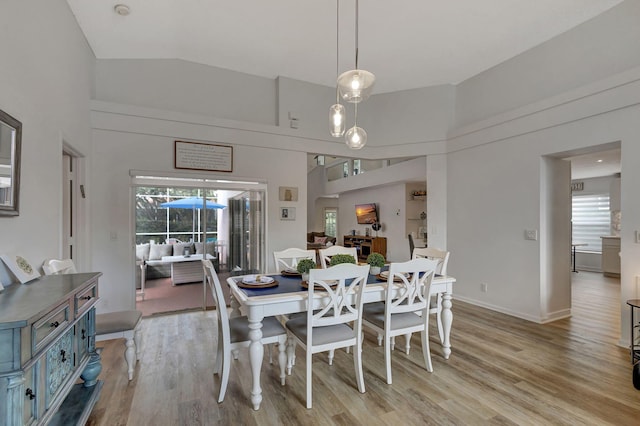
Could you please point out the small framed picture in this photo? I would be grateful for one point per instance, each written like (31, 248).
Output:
(20, 267)
(288, 193)
(287, 213)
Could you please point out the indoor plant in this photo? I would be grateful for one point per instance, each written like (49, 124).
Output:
(376, 261)
(304, 266)
(342, 258)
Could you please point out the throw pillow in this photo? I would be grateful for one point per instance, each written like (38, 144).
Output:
(321, 240)
(178, 249)
(142, 251)
(157, 251)
(211, 248)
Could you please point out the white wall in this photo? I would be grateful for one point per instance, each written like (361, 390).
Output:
(177, 85)
(398, 124)
(494, 193)
(147, 143)
(46, 79)
(390, 200)
(437, 201)
(408, 118)
(600, 47)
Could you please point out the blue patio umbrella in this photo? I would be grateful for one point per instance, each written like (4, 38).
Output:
(192, 203)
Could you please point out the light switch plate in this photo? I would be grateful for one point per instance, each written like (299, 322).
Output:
(531, 234)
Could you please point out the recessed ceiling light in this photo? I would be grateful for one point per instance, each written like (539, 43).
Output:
(122, 9)
(598, 161)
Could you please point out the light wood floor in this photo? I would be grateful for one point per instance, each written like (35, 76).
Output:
(503, 370)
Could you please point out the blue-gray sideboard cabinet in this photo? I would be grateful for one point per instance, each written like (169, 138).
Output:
(47, 344)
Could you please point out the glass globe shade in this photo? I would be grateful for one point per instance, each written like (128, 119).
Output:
(356, 85)
(337, 120)
(356, 137)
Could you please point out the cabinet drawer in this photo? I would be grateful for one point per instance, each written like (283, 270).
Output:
(50, 326)
(86, 298)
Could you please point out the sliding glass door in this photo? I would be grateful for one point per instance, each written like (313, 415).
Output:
(246, 231)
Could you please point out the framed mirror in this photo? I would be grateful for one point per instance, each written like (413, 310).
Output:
(10, 143)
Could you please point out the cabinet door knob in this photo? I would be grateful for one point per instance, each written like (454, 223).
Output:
(83, 332)
(55, 324)
(63, 355)
(30, 394)
(85, 298)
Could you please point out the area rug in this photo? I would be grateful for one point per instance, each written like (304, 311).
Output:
(162, 298)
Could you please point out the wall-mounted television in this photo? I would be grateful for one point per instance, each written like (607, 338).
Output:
(366, 214)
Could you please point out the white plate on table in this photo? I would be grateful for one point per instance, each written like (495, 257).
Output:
(290, 271)
(257, 279)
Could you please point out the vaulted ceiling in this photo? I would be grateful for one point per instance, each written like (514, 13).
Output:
(405, 43)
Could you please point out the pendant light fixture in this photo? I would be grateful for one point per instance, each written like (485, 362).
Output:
(337, 114)
(355, 86)
(356, 137)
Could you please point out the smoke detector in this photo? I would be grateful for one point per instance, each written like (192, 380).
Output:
(122, 9)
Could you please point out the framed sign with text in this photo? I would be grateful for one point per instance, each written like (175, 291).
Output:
(203, 156)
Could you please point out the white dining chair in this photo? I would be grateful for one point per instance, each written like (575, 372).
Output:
(406, 307)
(435, 305)
(58, 267)
(327, 253)
(113, 325)
(337, 321)
(287, 260)
(233, 333)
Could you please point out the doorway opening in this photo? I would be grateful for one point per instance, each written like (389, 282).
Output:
(581, 196)
(180, 220)
(331, 221)
(73, 242)
(596, 205)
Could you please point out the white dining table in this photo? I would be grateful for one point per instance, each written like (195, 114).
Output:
(290, 297)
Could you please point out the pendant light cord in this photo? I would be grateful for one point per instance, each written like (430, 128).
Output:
(357, 13)
(337, 47)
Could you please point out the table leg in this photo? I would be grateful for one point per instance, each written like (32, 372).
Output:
(256, 353)
(633, 358)
(447, 319)
(204, 294)
(143, 278)
(235, 307)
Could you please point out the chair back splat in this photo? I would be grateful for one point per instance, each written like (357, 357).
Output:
(326, 254)
(441, 256)
(58, 267)
(287, 260)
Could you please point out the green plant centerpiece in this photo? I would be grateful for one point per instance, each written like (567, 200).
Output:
(342, 258)
(304, 266)
(375, 261)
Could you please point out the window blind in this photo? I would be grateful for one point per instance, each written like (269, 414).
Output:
(591, 219)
